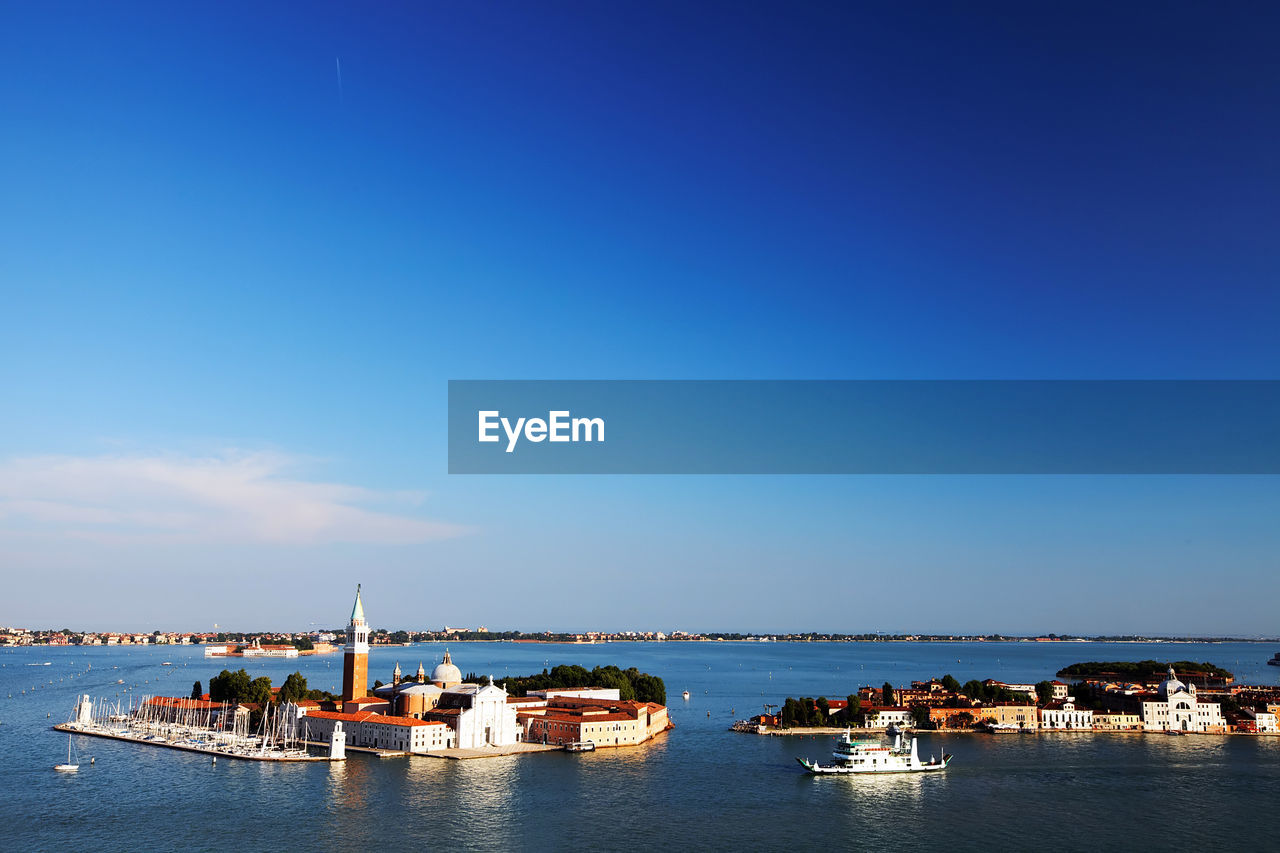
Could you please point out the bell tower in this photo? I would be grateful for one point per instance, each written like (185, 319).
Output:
(355, 660)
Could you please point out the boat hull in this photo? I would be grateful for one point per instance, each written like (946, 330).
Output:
(850, 769)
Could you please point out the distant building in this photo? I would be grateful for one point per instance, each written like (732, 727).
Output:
(1012, 714)
(1175, 707)
(1116, 721)
(604, 722)
(380, 731)
(1028, 690)
(949, 718)
(1064, 714)
(1264, 721)
(883, 716)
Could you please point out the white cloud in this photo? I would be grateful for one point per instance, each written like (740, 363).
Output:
(228, 498)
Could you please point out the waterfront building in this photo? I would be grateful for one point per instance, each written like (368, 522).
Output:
(1064, 714)
(1264, 721)
(950, 718)
(1116, 721)
(1175, 707)
(1024, 716)
(257, 649)
(1060, 690)
(379, 731)
(603, 722)
(883, 716)
(355, 659)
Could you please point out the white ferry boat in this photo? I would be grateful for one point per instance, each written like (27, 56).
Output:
(858, 755)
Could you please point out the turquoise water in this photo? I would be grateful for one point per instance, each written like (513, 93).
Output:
(700, 785)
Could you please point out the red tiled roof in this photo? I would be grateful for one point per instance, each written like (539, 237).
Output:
(371, 717)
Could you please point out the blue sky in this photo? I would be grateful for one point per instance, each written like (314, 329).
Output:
(234, 290)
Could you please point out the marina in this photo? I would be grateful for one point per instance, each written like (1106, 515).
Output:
(214, 729)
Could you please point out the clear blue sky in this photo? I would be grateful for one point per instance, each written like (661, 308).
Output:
(235, 284)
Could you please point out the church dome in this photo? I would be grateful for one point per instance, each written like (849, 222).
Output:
(1171, 685)
(446, 672)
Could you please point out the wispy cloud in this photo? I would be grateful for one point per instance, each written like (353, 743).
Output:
(231, 497)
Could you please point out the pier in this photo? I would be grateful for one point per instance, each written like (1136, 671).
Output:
(243, 754)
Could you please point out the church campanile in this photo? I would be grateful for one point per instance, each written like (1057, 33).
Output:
(355, 660)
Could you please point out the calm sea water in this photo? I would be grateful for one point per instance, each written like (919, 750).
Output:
(700, 785)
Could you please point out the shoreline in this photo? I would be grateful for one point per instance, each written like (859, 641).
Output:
(829, 731)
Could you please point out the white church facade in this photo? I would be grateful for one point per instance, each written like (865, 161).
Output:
(1175, 707)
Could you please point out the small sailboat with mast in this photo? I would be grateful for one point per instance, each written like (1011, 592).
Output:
(72, 765)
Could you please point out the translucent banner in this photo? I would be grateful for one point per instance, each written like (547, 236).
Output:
(864, 427)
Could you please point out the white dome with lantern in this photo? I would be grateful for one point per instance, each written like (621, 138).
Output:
(446, 674)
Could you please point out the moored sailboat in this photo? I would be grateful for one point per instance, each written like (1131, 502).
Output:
(70, 766)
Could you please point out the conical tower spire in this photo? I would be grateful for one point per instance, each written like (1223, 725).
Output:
(357, 611)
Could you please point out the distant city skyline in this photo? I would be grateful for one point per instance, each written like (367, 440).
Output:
(243, 250)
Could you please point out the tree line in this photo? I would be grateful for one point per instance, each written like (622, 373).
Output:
(632, 684)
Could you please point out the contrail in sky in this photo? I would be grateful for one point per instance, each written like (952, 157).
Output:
(337, 62)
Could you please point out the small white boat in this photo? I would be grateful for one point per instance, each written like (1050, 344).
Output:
(70, 766)
(686, 695)
(580, 746)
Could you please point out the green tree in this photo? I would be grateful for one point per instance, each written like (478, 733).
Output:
(852, 709)
(920, 714)
(950, 683)
(197, 690)
(260, 691)
(963, 720)
(886, 694)
(229, 686)
(293, 689)
(1044, 691)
